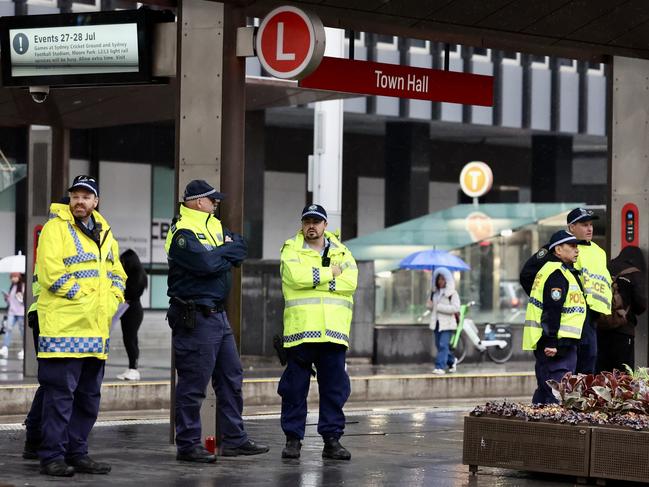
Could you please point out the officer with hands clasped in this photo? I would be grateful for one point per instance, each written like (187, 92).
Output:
(596, 281)
(319, 277)
(82, 284)
(201, 254)
(555, 315)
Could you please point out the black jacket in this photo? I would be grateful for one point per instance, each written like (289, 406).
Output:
(631, 286)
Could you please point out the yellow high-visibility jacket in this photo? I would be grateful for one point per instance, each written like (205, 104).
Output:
(36, 287)
(595, 277)
(82, 284)
(573, 311)
(318, 307)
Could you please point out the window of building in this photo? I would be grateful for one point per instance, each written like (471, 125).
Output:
(512, 57)
(482, 53)
(86, 5)
(386, 42)
(569, 65)
(359, 38)
(540, 61)
(420, 46)
(595, 68)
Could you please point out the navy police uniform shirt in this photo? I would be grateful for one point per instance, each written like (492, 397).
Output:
(200, 274)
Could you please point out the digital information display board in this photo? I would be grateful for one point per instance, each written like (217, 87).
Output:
(79, 49)
(74, 50)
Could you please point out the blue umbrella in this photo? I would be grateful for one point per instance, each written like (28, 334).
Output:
(430, 259)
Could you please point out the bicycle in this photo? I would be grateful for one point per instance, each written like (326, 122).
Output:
(497, 340)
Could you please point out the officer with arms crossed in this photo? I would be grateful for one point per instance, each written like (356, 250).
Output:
(596, 281)
(82, 285)
(319, 277)
(201, 253)
(555, 315)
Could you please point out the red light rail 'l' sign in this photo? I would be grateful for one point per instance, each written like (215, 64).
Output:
(290, 43)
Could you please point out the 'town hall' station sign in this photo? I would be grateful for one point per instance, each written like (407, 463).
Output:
(290, 44)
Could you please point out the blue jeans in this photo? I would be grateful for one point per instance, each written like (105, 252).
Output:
(13, 320)
(444, 357)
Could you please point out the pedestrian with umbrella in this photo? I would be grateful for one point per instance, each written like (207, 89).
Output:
(444, 301)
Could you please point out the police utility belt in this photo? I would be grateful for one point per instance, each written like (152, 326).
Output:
(189, 309)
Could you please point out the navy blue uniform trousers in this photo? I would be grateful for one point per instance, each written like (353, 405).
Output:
(206, 352)
(71, 394)
(547, 368)
(333, 386)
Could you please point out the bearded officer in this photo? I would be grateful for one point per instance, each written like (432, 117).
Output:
(201, 254)
(555, 315)
(319, 277)
(82, 284)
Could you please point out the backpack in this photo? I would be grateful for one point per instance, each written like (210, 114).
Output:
(531, 268)
(619, 311)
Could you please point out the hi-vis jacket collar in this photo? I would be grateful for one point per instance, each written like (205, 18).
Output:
(195, 215)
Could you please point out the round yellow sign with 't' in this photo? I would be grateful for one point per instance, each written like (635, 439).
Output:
(476, 179)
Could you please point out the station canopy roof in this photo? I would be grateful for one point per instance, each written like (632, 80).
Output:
(452, 228)
(582, 29)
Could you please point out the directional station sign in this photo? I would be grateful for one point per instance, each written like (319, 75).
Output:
(383, 79)
(290, 43)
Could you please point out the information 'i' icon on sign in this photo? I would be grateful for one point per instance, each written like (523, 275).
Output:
(20, 43)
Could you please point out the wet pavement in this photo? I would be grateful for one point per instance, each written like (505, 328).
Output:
(402, 446)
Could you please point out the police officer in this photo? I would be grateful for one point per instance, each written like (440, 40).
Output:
(319, 277)
(82, 284)
(33, 419)
(201, 254)
(555, 315)
(596, 281)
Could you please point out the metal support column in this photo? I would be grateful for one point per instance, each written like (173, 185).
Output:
(199, 73)
(628, 178)
(211, 84)
(39, 196)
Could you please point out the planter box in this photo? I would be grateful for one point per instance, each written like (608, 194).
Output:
(523, 445)
(619, 454)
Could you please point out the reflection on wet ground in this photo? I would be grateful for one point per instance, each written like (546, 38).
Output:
(418, 447)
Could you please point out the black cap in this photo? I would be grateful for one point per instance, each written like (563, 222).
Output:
(314, 211)
(581, 215)
(85, 182)
(199, 188)
(562, 237)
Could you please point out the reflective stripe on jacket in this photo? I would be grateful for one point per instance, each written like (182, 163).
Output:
(595, 277)
(82, 285)
(318, 307)
(573, 312)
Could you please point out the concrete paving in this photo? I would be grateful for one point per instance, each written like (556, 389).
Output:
(412, 445)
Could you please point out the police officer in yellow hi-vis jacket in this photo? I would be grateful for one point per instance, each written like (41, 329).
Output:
(555, 315)
(319, 277)
(82, 284)
(596, 281)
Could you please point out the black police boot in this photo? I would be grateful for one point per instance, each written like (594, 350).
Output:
(197, 454)
(30, 450)
(248, 448)
(334, 450)
(292, 448)
(86, 464)
(57, 468)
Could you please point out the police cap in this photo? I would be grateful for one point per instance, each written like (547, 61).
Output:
(314, 211)
(199, 188)
(581, 215)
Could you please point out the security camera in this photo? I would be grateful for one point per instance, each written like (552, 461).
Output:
(39, 93)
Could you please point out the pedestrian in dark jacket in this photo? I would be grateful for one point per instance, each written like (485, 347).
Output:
(616, 346)
(131, 320)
